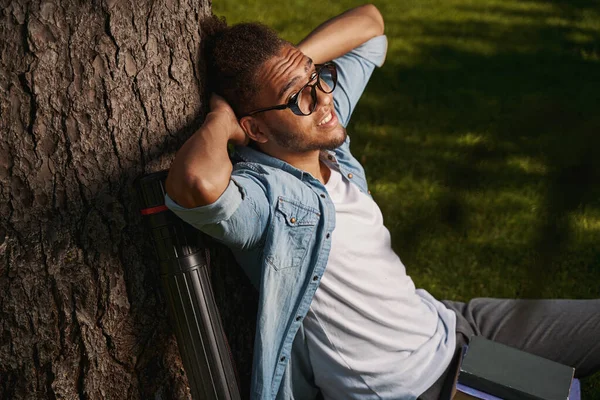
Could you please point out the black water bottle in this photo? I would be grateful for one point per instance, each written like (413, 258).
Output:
(184, 263)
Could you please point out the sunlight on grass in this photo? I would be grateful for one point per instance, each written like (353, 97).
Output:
(470, 139)
(527, 164)
(586, 222)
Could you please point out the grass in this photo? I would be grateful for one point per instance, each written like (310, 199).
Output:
(479, 137)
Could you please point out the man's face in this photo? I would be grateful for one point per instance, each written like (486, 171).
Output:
(281, 77)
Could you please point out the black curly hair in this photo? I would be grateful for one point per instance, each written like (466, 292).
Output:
(233, 57)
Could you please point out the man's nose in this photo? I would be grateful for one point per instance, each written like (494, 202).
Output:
(324, 99)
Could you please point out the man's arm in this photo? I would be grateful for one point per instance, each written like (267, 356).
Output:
(343, 33)
(201, 169)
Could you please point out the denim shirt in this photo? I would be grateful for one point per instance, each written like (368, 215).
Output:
(277, 220)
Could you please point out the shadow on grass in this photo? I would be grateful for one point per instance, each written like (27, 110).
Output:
(510, 104)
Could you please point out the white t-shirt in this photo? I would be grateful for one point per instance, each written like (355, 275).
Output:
(368, 329)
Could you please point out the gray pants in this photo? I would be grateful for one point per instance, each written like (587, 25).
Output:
(566, 331)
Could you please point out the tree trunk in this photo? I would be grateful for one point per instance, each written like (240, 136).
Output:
(94, 94)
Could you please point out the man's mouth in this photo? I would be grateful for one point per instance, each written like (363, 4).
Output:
(329, 119)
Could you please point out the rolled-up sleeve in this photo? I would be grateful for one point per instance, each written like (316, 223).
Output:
(237, 218)
(354, 70)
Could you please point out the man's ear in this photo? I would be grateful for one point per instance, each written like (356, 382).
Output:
(254, 129)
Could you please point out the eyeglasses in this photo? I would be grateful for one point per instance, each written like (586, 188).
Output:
(304, 102)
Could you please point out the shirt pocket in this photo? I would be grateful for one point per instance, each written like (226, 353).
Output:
(292, 231)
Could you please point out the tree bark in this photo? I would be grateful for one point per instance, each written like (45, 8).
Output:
(94, 94)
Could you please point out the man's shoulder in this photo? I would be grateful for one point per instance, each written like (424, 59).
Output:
(258, 171)
(249, 166)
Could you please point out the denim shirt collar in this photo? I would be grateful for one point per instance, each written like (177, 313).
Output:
(250, 154)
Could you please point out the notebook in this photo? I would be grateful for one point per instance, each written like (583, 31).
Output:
(466, 393)
(506, 373)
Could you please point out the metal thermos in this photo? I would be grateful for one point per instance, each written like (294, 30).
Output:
(184, 264)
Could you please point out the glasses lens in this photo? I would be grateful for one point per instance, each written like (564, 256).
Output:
(307, 98)
(306, 102)
(327, 78)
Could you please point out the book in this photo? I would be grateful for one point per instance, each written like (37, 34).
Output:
(466, 393)
(511, 374)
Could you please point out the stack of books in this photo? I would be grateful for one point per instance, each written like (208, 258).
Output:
(493, 371)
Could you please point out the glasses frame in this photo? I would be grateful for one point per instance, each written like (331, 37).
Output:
(292, 104)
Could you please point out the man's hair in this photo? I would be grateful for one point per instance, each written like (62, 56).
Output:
(233, 56)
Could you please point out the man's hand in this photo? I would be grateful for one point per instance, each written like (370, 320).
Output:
(223, 115)
(201, 169)
(343, 33)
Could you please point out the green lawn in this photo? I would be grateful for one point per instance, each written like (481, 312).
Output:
(479, 137)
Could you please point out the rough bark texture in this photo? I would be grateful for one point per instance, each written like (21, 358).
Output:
(93, 95)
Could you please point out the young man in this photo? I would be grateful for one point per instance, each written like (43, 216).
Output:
(337, 312)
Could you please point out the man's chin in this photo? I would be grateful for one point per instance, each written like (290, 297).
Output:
(339, 137)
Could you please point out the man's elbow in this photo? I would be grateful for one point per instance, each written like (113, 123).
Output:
(189, 191)
(373, 12)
